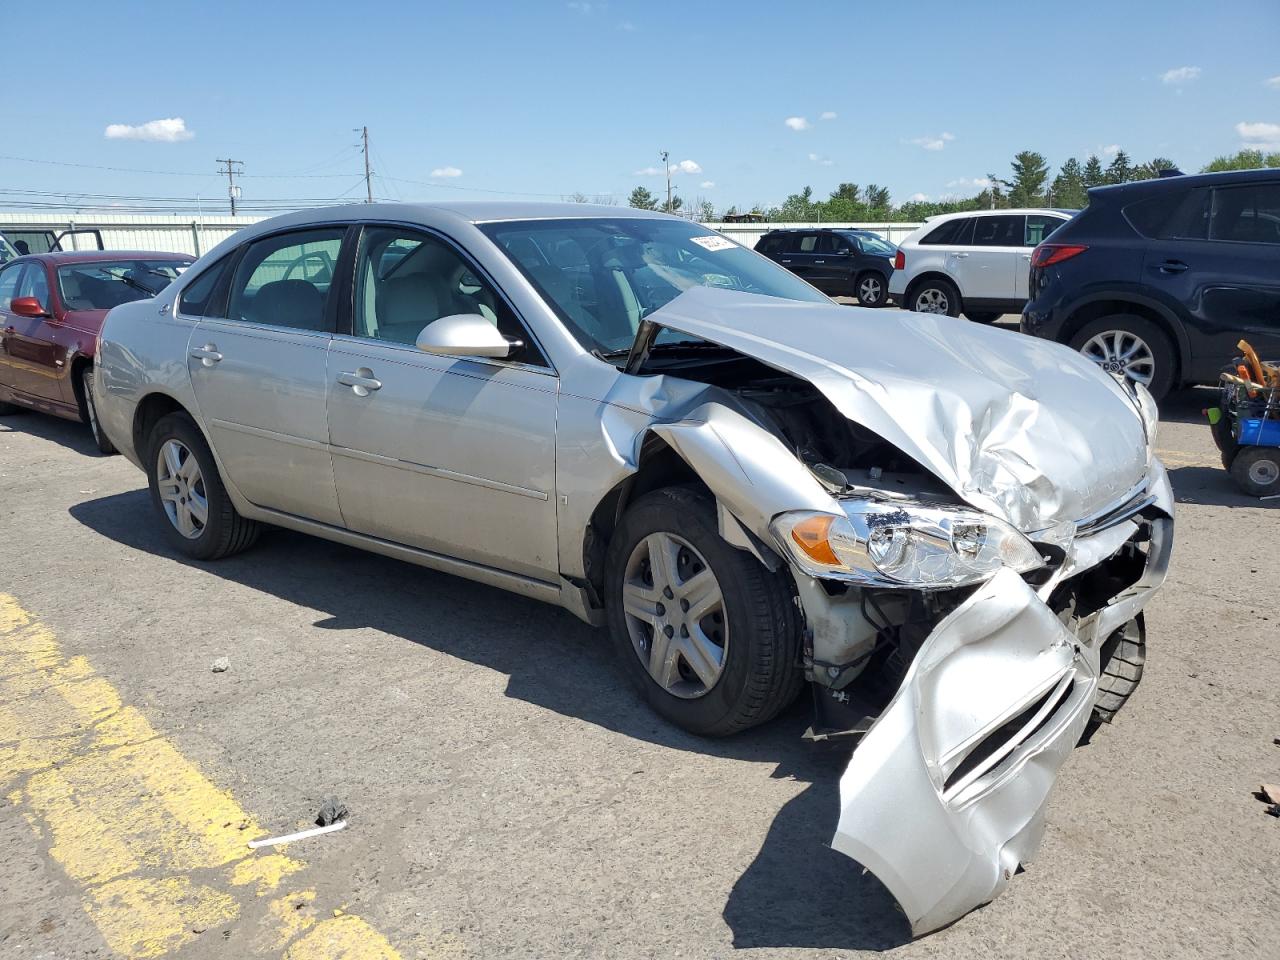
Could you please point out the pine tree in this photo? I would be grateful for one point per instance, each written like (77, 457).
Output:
(1068, 186)
(1029, 174)
(642, 199)
(1119, 170)
(1093, 174)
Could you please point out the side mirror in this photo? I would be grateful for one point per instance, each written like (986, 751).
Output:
(27, 307)
(464, 335)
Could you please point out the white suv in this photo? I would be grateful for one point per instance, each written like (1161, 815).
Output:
(976, 262)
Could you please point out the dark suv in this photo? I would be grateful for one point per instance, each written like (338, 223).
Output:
(843, 263)
(1159, 279)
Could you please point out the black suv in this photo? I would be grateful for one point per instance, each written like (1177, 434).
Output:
(843, 263)
(1159, 279)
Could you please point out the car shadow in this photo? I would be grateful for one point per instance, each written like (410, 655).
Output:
(74, 436)
(1212, 487)
(1188, 405)
(797, 892)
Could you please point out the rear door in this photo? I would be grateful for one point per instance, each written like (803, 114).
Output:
(455, 455)
(987, 268)
(1218, 259)
(804, 251)
(257, 358)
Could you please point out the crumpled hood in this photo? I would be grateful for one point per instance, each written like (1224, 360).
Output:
(1021, 427)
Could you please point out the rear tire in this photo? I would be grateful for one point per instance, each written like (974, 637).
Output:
(757, 635)
(871, 289)
(934, 296)
(982, 316)
(1111, 341)
(1256, 470)
(197, 514)
(89, 411)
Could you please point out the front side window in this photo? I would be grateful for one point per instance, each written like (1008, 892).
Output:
(1039, 227)
(406, 280)
(1002, 231)
(35, 283)
(952, 233)
(876, 246)
(285, 281)
(603, 276)
(9, 284)
(835, 244)
(107, 284)
(1247, 214)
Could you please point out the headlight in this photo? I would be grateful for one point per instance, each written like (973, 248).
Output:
(911, 545)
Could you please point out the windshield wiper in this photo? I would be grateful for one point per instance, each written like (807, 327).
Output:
(129, 281)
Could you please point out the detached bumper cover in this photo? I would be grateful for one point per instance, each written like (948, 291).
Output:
(946, 794)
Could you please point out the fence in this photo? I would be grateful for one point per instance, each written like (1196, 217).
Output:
(177, 233)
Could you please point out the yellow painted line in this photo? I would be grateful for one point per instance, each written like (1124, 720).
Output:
(159, 852)
(1182, 458)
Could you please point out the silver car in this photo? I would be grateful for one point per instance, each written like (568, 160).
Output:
(946, 532)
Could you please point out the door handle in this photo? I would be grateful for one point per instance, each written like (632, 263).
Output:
(959, 255)
(1172, 266)
(819, 261)
(207, 355)
(786, 261)
(362, 382)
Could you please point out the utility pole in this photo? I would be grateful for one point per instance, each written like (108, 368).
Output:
(232, 190)
(368, 173)
(667, 167)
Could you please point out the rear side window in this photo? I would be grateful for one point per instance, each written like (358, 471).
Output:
(808, 243)
(951, 233)
(1247, 214)
(1003, 231)
(1039, 227)
(285, 281)
(1174, 215)
(205, 296)
(774, 243)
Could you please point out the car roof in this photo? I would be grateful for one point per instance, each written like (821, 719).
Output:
(1013, 211)
(101, 256)
(1185, 181)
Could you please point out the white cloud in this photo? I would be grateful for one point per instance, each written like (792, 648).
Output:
(686, 166)
(1179, 75)
(1111, 149)
(827, 115)
(647, 172)
(933, 143)
(797, 123)
(1272, 82)
(969, 183)
(918, 198)
(819, 158)
(1259, 136)
(170, 130)
(581, 6)
(446, 172)
(626, 26)
(707, 184)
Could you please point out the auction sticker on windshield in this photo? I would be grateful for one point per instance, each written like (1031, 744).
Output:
(713, 243)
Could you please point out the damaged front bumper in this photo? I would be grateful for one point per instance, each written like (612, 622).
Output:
(946, 792)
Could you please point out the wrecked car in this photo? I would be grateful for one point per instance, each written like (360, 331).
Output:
(946, 533)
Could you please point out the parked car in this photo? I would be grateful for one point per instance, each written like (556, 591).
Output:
(51, 309)
(843, 263)
(631, 416)
(1158, 280)
(973, 263)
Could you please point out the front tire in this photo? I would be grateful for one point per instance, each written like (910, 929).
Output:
(871, 289)
(187, 492)
(935, 296)
(982, 316)
(105, 446)
(1125, 343)
(710, 638)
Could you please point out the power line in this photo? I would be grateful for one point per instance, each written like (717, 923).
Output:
(232, 189)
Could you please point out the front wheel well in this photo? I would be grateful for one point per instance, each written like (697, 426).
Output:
(659, 466)
(150, 410)
(78, 366)
(1090, 312)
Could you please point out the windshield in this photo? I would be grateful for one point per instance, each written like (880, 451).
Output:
(107, 284)
(876, 245)
(7, 252)
(603, 276)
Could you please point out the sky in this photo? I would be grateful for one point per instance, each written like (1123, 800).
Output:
(546, 98)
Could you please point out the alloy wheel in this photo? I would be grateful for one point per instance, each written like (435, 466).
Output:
(869, 290)
(1121, 352)
(675, 614)
(932, 300)
(181, 487)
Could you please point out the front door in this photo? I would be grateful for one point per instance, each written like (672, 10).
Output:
(33, 363)
(259, 370)
(454, 455)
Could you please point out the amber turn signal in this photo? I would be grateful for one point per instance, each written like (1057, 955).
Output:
(810, 535)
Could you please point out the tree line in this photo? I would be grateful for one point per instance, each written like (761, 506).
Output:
(1028, 185)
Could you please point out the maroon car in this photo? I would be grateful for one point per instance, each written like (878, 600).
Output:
(51, 308)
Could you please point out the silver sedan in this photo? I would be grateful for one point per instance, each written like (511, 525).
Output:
(946, 532)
